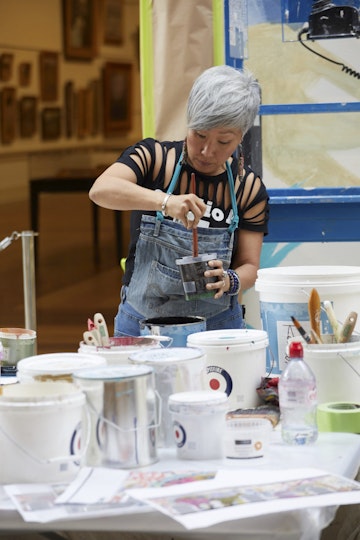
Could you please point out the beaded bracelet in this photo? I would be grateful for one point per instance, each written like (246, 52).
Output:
(235, 283)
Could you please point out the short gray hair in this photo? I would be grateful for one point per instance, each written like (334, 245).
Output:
(223, 96)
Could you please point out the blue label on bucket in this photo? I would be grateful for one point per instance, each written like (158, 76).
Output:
(276, 321)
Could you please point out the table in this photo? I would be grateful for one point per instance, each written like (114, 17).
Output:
(338, 453)
(74, 183)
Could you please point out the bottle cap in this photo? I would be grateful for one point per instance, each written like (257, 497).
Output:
(296, 349)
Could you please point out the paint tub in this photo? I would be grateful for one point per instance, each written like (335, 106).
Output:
(198, 421)
(177, 328)
(177, 369)
(285, 291)
(336, 367)
(247, 437)
(192, 271)
(60, 367)
(121, 347)
(56, 366)
(126, 409)
(17, 343)
(235, 363)
(41, 432)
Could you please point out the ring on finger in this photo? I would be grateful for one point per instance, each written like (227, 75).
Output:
(224, 274)
(190, 216)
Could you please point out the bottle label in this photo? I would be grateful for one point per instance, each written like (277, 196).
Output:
(298, 396)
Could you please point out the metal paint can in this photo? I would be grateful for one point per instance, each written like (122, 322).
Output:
(17, 343)
(125, 406)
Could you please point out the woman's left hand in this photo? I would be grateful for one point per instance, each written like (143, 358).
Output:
(223, 282)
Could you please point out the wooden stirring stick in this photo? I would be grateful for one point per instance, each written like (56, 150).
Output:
(195, 242)
(314, 308)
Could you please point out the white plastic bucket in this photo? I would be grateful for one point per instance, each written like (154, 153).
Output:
(235, 363)
(120, 348)
(125, 409)
(56, 366)
(198, 420)
(336, 367)
(60, 367)
(285, 291)
(41, 432)
(177, 369)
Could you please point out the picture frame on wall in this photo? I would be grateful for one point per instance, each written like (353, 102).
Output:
(51, 123)
(25, 73)
(113, 28)
(49, 75)
(79, 29)
(70, 108)
(28, 116)
(6, 66)
(117, 98)
(8, 114)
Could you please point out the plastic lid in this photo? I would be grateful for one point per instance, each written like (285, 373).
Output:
(296, 349)
(198, 397)
(58, 363)
(167, 356)
(224, 337)
(113, 373)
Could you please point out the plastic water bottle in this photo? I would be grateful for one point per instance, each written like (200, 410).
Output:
(298, 399)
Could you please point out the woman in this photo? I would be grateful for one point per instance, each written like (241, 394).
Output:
(229, 205)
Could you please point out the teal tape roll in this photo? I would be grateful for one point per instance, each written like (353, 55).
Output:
(344, 417)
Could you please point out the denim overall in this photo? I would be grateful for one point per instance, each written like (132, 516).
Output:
(156, 289)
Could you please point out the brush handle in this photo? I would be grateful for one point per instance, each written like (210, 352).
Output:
(332, 319)
(348, 327)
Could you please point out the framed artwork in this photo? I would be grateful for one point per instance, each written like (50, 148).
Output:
(70, 108)
(113, 22)
(79, 29)
(49, 75)
(8, 114)
(6, 66)
(117, 98)
(82, 120)
(50, 123)
(24, 73)
(28, 116)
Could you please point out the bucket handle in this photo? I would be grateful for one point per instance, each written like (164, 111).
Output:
(118, 428)
(74, 457)
(349, 364)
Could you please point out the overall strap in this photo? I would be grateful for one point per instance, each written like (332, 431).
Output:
(173, 182)
(235, 218)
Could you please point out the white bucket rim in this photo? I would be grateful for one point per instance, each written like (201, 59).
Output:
(58, 363)
(225, 338)
(197, 402)
(171, 355)
(113, 373)
(307, 276)
(62, 393)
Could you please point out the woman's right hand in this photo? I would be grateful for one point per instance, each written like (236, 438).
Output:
(188, 209)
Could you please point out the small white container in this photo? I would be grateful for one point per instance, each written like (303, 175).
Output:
(198, 420)
(247, 437)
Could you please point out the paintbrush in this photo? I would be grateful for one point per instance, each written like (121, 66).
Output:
(332, 319)
(195, 242)
(314, 307)
(347, 327)
(301, 330)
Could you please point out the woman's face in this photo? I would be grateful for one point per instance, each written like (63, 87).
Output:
(209, 150)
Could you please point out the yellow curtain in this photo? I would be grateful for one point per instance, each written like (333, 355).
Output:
(178, 40)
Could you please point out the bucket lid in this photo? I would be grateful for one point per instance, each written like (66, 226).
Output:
(121, 344)
(167, 356)
(228, 337)
(58, 363)
(17, 333)
(33, 394)
(314, 276)
(198, 400)
(113, 373)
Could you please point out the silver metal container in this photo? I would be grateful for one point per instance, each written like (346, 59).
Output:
(125, 406)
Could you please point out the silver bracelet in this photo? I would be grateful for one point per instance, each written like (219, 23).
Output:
(164, 203)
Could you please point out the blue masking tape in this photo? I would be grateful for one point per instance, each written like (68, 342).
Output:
(343, 417)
